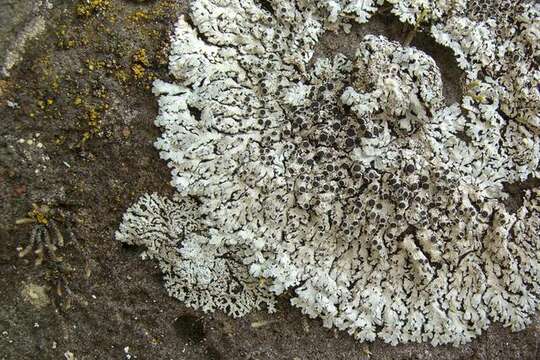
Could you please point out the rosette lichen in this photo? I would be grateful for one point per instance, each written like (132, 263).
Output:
(351, 182)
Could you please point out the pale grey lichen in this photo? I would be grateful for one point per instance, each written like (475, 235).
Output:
(199, 272)
(350, 181)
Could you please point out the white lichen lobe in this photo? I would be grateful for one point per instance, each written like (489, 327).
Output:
(350, 182)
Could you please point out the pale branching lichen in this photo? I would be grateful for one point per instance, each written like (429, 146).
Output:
(350, 182)
(202, 274)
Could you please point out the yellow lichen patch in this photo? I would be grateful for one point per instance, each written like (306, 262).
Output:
(86, 136)
(93, 118)
(43, 104)
(64, 38)
(38, 213)
(472, 85)
(90, 7)
(140, 63)
(55, 83)
(93, 64)
(59, 140)
(35, 295)
(139, 16)
(479, 98)
(140, 57)
(121, 75)
(138, 71)
(94, 122)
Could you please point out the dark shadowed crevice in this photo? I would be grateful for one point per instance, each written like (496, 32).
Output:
(190, 328)
(200, 35)
(452, 75)
(266, 5)
(213, 354)
(195, 112)
(388, 25)
(516, 192)
(132, 249)
(332, 43)
(462, 135)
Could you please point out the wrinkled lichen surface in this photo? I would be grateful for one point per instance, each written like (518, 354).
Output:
(350, 181)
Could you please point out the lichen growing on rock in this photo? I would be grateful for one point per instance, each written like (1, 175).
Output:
(202, 274)
(350, 182)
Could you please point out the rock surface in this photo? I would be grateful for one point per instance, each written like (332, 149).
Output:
(77, 133)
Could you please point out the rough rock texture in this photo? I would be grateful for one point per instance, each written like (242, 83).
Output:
(14, 14)
(83, 91)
